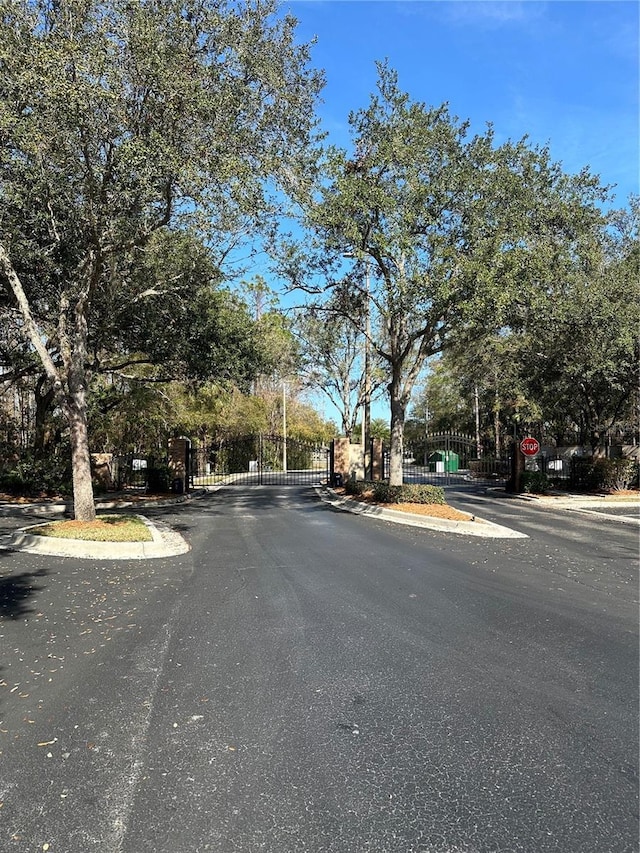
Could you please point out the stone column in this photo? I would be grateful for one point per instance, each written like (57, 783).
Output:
(340, 459)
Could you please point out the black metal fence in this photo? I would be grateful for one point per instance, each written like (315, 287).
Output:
(259, 460)
(580, 473)
(446, 458)
(139, 472)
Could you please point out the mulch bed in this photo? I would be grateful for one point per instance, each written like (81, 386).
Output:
(431, 510)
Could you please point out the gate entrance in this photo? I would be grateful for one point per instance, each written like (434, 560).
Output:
(448, 458)
(259, 460)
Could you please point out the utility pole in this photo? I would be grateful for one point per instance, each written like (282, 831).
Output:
(477, 413)
(366, 420)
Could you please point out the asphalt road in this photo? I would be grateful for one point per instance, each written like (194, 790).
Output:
(310, 680)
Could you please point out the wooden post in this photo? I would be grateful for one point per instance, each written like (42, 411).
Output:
(377, 462)
(178, 452)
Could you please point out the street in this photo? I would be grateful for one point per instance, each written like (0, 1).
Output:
(309, 680)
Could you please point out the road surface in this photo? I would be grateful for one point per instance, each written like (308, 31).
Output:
(309, 680)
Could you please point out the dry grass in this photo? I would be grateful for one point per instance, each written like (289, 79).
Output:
(106, 528)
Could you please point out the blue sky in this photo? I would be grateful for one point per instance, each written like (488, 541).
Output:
(564, 73)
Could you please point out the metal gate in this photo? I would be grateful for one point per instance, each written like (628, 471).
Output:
(448, 458)
(259, 460)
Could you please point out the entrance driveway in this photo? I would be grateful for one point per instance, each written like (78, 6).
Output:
(305, 679)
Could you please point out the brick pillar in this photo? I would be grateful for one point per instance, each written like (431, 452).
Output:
(377, 462)
(340, 458)
(178, 454)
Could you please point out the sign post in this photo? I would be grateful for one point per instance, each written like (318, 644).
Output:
(530, 446)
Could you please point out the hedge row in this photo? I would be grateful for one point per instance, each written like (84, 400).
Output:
(416, 493)
(31, 476)
(586, 475)
(614, 474)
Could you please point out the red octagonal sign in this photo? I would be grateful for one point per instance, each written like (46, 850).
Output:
(530, 446)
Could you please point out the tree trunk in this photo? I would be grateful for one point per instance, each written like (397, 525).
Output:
(396, 450)
(83, 503)
(496, 417)
(44, 406)
(73, 400)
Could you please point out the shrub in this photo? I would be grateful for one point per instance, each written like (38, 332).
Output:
(535, 482)
(408, 493)
(31, 476)
(616, 474)
(604, 474)
(418, 493)
(357, 487)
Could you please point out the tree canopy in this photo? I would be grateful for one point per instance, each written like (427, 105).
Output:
(119, 121)
(334, 362)
(460, 233)
(568, 369)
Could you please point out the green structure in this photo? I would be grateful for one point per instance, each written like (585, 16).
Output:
(444, 461)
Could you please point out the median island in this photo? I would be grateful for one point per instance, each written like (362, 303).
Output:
(414, 498)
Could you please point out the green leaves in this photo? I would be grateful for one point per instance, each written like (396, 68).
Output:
(119, 121)
(464, 237)
(568, 366)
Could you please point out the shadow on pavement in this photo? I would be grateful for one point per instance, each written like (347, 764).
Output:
(16, 591)
(250, 499)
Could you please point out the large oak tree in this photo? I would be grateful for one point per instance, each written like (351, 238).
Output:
(458, 232)
(118, 120)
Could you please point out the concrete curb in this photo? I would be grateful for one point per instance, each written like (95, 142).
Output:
(481, 527)
(165, 543)
(589, 505)
(47, 509)
(623, 519)
(569, 501)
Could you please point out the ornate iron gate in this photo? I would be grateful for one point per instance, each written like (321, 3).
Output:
(447, 458)
(259, 460)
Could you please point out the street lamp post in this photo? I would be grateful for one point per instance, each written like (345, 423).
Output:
(284, 427)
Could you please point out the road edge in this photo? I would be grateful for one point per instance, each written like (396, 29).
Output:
(481, 527)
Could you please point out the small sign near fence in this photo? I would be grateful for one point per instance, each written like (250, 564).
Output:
(530, 446)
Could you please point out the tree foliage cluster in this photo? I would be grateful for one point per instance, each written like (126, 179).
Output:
(141, 145)
(570, 374)
(463, 237)
(124, 129)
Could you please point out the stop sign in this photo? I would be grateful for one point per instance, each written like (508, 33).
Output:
(530, 446)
